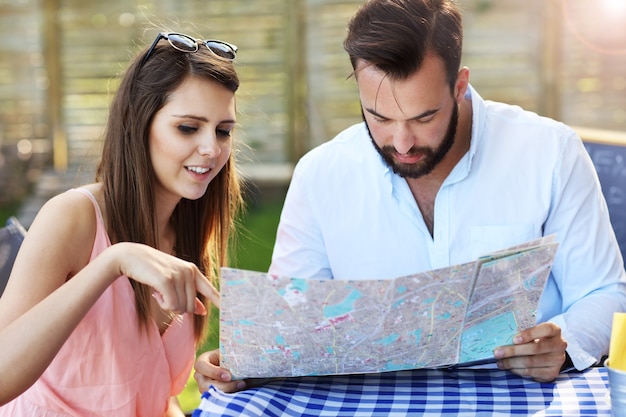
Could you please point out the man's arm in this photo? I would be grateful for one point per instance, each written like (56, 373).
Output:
(299, 248)
(588, 273)
(588, 269)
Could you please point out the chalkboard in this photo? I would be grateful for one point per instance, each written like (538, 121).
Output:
(609, 158)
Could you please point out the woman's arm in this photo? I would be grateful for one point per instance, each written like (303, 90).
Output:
(173, 409)
(39, 309)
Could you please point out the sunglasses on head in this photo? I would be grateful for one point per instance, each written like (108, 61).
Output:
(186, 43)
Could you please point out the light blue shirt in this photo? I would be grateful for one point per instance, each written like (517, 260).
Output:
(348, 216)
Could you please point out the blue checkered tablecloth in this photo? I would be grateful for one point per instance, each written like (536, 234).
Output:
(420, 392)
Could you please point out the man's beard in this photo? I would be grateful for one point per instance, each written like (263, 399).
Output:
(431, 157)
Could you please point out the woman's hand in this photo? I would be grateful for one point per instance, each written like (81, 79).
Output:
(175, 282)
(208, 372)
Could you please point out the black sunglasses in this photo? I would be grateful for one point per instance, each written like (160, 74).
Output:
(186, 43)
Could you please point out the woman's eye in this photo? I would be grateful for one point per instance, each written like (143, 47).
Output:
(223, 132)
(187, 129)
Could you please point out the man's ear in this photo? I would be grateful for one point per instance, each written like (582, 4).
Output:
(460, 87)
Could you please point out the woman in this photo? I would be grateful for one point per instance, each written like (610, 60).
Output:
(109, 290)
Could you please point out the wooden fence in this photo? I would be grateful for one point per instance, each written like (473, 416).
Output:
(59, 60)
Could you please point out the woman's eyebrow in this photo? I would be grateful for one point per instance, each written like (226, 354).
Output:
(191, 116)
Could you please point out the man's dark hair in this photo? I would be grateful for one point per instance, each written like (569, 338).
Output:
(396, 35)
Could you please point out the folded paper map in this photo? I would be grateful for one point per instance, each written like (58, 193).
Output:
(273, 326)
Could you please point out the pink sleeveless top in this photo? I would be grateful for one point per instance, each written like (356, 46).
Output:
(109, 366)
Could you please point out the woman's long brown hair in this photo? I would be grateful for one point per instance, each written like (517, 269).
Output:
(203, 227)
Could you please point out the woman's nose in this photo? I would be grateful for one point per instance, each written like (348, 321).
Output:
(209, 147)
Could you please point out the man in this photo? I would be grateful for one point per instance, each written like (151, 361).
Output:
(436, 176)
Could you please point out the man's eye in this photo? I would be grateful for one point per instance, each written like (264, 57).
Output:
(187, 129)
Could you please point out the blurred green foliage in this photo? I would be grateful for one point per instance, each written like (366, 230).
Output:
(7, 210)
(252, 250)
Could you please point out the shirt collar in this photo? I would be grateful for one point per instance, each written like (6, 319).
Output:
(478, 118)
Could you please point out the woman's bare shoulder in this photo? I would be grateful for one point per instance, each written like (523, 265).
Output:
(66, 224)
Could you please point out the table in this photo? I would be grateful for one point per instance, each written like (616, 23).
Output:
(419, 392)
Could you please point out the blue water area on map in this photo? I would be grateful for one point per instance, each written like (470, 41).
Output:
(237, 282)
(479, 341)
(297, 284)
(346, 306)
(418, 335)
(530, 283)
(281, 348)
(238, 336)
(388, 339)
(390, 366)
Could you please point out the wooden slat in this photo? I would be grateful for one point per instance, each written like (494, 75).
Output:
(503, 48)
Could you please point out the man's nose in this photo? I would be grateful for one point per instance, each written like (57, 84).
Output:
(403, 138)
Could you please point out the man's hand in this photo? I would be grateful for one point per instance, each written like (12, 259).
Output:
(538, 352)
(208, 372)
